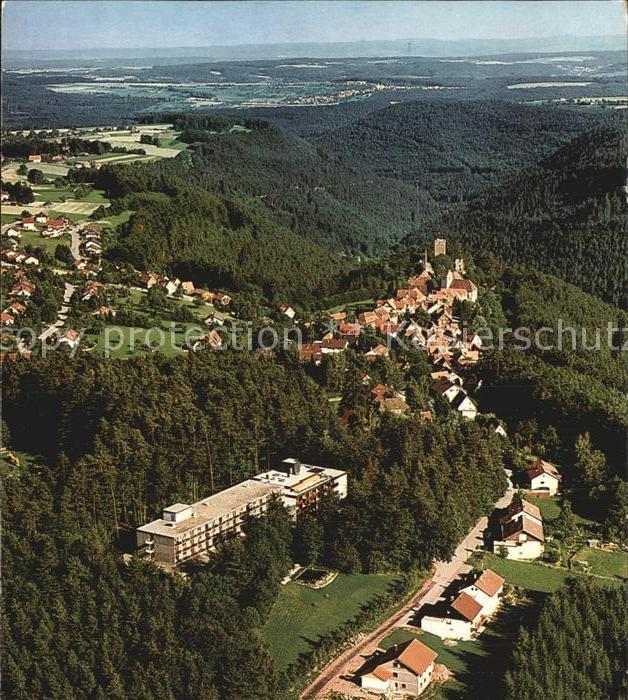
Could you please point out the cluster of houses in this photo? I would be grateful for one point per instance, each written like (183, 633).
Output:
(16, 258)
(48, 227)
(147, 280)
(91, 242)
(90, 249)
(464, 614)
(45, 158)
(19, 295)
(449, 348)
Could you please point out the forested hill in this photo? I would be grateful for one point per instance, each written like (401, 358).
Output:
(566, 215)
(454, 150)
(341, 204)
(209, 239)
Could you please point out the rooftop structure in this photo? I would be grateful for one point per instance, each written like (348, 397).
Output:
(303, 485)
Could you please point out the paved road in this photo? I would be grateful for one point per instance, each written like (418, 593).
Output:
(61, 314)
(444, 573)
(75, 243)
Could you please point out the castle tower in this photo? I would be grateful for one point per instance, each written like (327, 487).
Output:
(440, 247)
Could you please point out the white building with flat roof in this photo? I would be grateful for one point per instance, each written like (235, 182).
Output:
(303, 485)
(186, 531)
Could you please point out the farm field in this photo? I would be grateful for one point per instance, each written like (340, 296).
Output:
(72, 207)
(301, 614)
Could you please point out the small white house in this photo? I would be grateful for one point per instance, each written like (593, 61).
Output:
(287, 311)
(543, 476)
(463, 619)
(465, 407)
(487, 590)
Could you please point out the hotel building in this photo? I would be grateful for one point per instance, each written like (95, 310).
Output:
(187, 531)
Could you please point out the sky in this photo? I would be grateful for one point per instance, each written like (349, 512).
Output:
(79, 24)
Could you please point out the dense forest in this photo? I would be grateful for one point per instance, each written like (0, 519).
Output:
(265, 191)
(565, 216)
(575, 385)
(576, 650)
(455, 150)
(81, 623)
(211, 239)
(120, 439)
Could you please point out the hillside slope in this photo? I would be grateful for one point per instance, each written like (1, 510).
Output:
(299, 185)
(566, 216)
(453, 150)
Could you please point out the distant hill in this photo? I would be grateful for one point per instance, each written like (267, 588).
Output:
(454, 150)
(567, 215)
(374, 48)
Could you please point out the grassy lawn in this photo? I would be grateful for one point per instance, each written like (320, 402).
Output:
(121, 218)
(126, 341)
(302, 614)
(549, 507)
(532, 576)
(35, 239)
(201, 312)
(612, 564)
(9, 218)
(352, 305)
(52, 194)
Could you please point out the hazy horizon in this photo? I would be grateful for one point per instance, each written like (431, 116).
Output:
(76, 25)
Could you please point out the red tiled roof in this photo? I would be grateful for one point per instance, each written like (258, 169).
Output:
(521, 507)
(467, 606)
(381, 672)
(540, 467)
(416, 656)
(527, 525)
(489, 582)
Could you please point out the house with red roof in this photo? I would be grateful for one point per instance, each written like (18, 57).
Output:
(543, 478)
(470, 609)
(405, 669)
(28, 223)
(487, 589)
(521, 532)
(462, 619)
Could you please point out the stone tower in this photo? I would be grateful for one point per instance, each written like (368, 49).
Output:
(440, 247)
